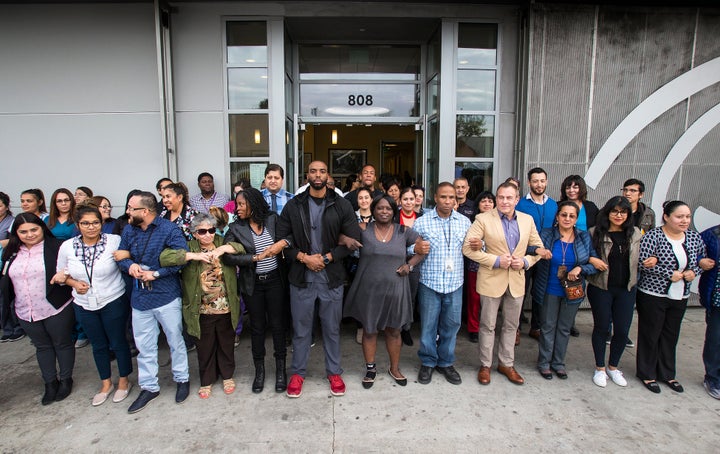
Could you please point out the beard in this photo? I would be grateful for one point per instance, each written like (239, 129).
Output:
(135, 221)
(318, 185)
(538, 191)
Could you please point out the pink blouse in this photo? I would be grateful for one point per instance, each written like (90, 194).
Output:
(28, 277)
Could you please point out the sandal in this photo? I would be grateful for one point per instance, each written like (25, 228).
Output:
(204, 392)
(652, 386)
(229, 386)
(402, 381)
(369, 378)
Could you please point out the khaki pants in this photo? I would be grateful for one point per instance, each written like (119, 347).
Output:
(511, 307)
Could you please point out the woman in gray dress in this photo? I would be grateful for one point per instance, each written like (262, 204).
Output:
(379, 297)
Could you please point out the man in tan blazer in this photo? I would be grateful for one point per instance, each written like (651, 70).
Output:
(506, 235)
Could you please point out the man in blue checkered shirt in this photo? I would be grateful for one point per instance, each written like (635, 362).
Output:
(441, 281)
(275, 195)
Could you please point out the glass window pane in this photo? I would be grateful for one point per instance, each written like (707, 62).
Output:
(378, 100)
(249, 136)
(475, 136)
(478, 174)
(476, 90)
(247, 43)
(254, 171)
(433, 99)
(477, 44)
(432, 168)
(247, 88)
(433, 57)
(359, 61)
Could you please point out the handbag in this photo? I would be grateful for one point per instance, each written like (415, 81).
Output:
(573, 289)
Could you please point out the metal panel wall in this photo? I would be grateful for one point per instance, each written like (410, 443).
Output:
(637, 51)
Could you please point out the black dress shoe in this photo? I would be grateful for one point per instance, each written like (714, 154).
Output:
(143, 399)
(574, 332)
(406, 337)
(425, 375)
(50, 392)
(652, 386)
(562, 375)
(259, 381)
(675, 386)
(546, 374)
(473, 337)
(64, 389)
(451, 375)
(183, 390)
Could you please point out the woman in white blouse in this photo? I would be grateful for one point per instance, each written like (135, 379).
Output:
(86, 263)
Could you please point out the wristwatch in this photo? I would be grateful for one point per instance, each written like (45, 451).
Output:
(156, 274)
(411, 267)
(325, 258)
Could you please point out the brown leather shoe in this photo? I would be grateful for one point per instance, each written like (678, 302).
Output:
(484, 375)
(535, 334)
(511, 374)
(517, 337)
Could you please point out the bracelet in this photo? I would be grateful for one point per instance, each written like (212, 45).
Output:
(255, 258)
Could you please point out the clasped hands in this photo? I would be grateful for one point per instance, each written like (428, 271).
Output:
(677, 275)
(61, 278)
(508, 261)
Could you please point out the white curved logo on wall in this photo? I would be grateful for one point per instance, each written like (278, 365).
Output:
(675, 91)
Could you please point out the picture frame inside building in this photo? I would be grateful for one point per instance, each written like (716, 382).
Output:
(344, 162)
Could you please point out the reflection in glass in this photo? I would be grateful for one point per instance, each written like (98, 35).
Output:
(478, 174)
(332, 61)
(379, 100)
(476, 90)
(475, 136)
(247, 88)
(242, 136)
(477, 45)
(432, 96)
(433, 153)
(433, 55)
(246, 43)
(254, 171)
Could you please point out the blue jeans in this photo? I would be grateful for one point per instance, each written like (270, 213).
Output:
(105, 328)
(146, 330)
(711, 349)
(439, 315)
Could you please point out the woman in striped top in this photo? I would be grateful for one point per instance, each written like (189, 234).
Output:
(262, 282)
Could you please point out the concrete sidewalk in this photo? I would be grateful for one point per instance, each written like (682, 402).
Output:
(572, 415)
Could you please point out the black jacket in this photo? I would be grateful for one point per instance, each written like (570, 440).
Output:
(294, 226)
(239, 231)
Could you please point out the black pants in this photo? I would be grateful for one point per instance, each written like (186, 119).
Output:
(53, 339)
(612, 306)
(659, 321)
(266, 306)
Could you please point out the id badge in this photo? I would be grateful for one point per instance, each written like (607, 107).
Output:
(92, 300)
(449, 264)
(562, 272)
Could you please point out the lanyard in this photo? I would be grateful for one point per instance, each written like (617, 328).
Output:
(89, 274)
(142, 254)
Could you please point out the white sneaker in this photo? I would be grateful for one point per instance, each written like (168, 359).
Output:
(600, 378)
(617, 377)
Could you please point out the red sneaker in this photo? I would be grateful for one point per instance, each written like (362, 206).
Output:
(337, 385)
(294, 388)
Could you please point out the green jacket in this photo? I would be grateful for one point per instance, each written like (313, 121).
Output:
(191, 288)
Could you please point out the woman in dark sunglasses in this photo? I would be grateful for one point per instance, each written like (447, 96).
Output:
(262, 281)
(211, 306)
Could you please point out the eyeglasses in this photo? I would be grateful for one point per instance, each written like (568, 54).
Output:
(62, 200)
(211, 231)
(89, 224)
(106, 207)
(567, 215)
(631, 190)
(618, 213)
(135, 209)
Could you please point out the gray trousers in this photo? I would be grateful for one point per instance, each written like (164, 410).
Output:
(302, 306)
(556, 319)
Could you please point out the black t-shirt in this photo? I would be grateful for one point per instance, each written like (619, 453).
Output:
(618, 260)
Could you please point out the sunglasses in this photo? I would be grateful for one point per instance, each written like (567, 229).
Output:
(211, 231)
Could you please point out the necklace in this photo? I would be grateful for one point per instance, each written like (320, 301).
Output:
(385, 236)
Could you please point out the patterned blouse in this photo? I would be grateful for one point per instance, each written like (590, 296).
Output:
(656, 280)
(214, 299)
(183, 221)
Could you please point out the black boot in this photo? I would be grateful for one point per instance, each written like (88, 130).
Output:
(64, 389)
(51, 390)
(280, 376)
(259, 382)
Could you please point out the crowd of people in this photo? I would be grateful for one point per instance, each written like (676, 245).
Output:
(191, 266)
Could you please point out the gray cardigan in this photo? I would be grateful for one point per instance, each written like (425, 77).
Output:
(600, 279)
